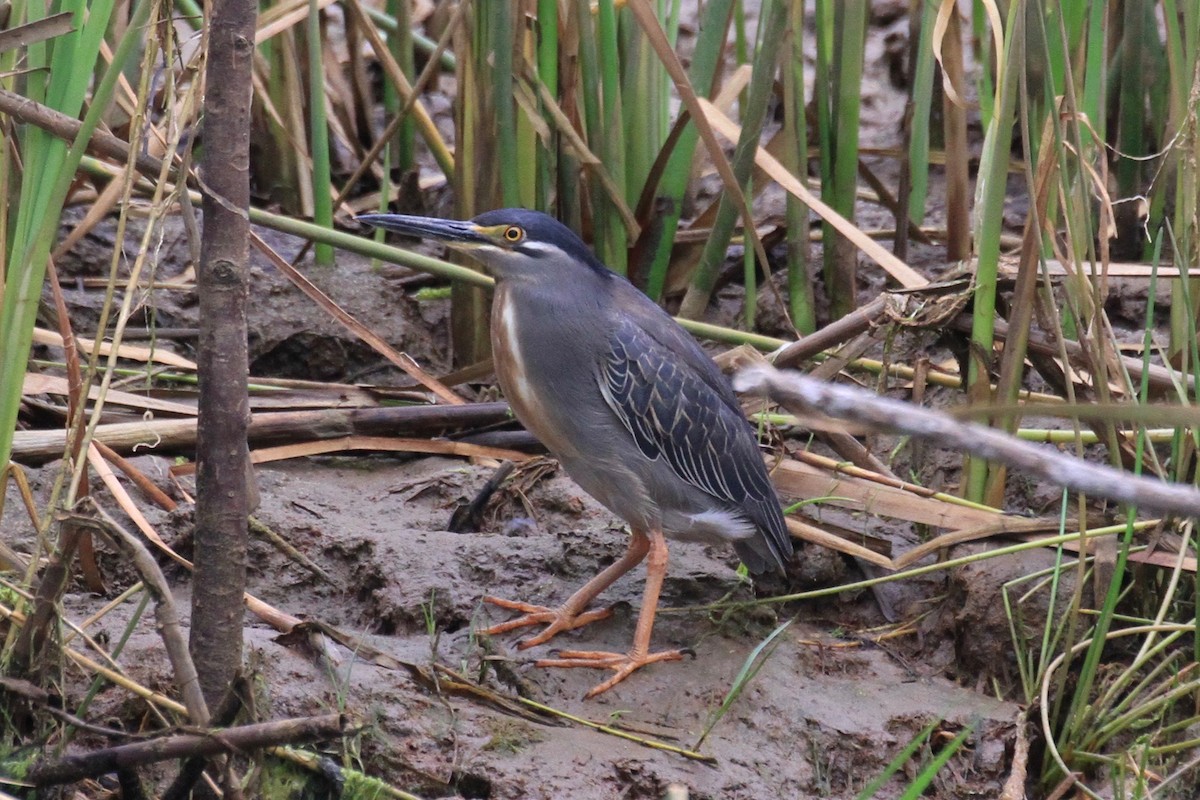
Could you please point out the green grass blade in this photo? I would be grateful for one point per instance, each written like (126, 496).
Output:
(399, 152)
(1080, 708)
(1093, 72)
(993, 183)
(668, 203)
(801, 302)
(610, 228)
(753, 663)
(547, 74)
(985, 86)
(499, 52)
(1131, 113)
(839, 145)
(388, 22)
(643, 88)
(898, 762)
(922, 100)
(773, 26)
(50, 166)
(923, 780)
(750, 281)
(322, 181)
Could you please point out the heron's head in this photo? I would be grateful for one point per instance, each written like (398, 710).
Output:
(513, 243)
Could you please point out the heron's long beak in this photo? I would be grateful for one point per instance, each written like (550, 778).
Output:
(454, 233)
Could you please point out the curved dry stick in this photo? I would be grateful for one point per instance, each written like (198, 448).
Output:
(164, 604)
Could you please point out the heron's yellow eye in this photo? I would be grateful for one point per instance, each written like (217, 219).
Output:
(514, 234)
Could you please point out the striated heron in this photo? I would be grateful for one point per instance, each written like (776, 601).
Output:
(634, 410)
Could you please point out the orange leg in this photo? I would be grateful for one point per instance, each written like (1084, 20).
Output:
(625, 663)
(571, 614)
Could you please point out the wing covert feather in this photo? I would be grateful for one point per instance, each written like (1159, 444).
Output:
(676, 415)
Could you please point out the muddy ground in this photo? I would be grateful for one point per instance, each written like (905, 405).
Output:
(824, 715)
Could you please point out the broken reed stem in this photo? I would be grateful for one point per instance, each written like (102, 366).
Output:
(229, 740)
(154, 435)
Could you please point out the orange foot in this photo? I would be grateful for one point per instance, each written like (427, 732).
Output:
(558, 619)
(622, 663)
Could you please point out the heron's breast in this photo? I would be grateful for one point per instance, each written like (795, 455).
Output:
(511, 353)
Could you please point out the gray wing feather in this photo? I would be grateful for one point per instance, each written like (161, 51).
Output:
(677, 415)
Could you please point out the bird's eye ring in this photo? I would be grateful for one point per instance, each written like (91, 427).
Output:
(513, 234)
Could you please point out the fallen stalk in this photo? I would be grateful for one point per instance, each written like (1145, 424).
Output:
(35, 447)
(227, 740)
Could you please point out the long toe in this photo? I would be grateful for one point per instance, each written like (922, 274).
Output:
(623, 664)
(556, 620)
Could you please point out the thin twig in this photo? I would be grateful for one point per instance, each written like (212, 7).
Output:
(651, 743)
(281, 544)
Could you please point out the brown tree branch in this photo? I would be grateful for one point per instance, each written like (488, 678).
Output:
(222, 455)
(67, 128)
(228, 740)
(803, 395)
